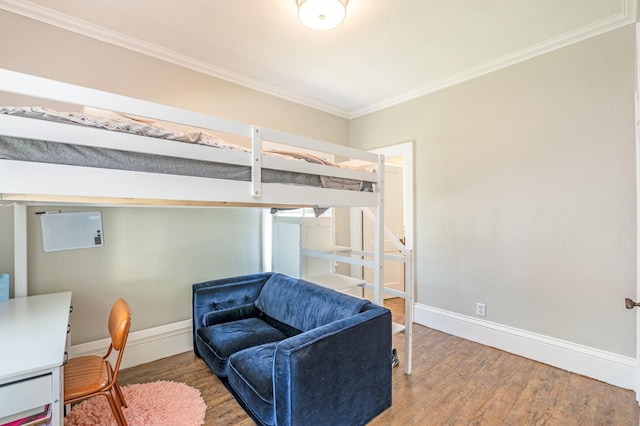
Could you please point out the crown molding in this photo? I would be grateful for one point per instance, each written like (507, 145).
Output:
(625, 17)
(50, 17)
(59, 20)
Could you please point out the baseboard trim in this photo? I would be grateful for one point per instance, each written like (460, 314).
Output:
(605, 366)
(145, 345)
(163, 341)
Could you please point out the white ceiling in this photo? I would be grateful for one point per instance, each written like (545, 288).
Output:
(386, 51)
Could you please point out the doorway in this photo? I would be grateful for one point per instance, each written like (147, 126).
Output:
(398, 214)
(394, 276)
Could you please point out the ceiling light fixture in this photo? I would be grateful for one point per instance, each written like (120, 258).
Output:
(322, 14)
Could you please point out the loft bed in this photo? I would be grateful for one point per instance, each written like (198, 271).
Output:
(27, 181)
(58, 159)
(23, 179)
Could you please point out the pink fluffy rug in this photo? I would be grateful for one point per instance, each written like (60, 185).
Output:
(160, 403)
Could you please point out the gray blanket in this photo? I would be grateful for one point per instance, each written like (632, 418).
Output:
(77, 155)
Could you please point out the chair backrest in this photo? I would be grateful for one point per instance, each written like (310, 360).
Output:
(119, 324)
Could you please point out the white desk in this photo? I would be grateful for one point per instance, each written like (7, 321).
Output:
(33, 338)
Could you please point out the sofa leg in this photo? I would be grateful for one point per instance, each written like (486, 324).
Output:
(395, 361)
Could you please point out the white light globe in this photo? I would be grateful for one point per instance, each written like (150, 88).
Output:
(321, 14)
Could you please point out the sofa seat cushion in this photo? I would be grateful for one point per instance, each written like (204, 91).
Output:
(251, 376)
(225, 339)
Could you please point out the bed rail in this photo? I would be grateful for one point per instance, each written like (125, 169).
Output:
(28, 181)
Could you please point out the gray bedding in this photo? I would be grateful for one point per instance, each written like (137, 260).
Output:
(77, 155)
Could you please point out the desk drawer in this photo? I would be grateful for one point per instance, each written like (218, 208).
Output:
(24, 395)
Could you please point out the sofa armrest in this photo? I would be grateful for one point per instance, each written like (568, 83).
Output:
(339, 373)
(223, 295)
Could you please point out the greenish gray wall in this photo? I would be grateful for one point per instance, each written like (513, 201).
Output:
(525, 191)
(151, 256)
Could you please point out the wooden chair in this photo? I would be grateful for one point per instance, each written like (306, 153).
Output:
(92, 375)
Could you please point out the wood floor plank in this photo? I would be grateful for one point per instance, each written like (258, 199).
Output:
(453, 382)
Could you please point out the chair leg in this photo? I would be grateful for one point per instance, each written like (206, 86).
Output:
(116, 397)
(123, 403)
(116, 410)
(116, 385)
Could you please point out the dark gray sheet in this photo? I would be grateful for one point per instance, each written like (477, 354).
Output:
(77, 155)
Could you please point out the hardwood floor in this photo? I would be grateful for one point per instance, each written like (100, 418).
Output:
(454, 382)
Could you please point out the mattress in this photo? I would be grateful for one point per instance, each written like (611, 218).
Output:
(43, 151)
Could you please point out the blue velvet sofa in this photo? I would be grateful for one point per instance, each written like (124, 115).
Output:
(292, 352)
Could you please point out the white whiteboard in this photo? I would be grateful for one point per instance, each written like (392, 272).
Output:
(68, 231)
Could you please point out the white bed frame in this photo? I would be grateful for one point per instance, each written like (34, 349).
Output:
(49, 182)
(26, 183)
(39, 182)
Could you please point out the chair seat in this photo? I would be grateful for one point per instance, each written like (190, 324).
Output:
(85, 375)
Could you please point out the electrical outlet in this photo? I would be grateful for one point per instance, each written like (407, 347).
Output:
(480, 309)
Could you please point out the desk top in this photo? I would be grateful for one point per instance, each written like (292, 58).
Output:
(33, 332)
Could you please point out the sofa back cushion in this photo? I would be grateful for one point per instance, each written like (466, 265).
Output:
(303, 305)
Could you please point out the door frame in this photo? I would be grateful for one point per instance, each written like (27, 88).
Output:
(405, 150)
(637, 108)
